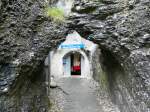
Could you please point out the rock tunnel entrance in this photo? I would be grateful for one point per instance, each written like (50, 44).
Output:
(78, 57)
(25, 41)
(74, 65)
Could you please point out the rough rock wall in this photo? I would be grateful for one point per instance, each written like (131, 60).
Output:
(120, 27)
(122, 30)
(96, 65)
(26, 36)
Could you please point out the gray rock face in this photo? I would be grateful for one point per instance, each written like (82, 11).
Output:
(26, 36)
(122, 29)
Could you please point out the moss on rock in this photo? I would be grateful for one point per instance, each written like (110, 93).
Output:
(56, 14)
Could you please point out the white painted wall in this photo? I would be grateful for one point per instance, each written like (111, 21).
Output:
(57, 69)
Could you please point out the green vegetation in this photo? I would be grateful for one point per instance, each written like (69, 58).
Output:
(56, 14)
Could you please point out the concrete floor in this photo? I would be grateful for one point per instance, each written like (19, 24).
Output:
(79, 95)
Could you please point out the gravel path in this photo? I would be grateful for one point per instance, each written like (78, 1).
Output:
(79, 95)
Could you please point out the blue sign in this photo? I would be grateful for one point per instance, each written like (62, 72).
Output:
(72, 46)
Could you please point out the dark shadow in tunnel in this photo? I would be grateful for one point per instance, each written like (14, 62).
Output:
(116, 78)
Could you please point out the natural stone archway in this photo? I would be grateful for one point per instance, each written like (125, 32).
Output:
(120, 27)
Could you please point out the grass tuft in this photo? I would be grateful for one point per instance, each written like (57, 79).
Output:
(56, 14)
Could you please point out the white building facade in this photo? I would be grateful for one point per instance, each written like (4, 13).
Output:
(72, 58)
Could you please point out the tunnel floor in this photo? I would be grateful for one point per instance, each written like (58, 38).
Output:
(80, 95)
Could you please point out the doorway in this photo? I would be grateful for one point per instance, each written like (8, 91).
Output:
(75, 64)
(72, 64)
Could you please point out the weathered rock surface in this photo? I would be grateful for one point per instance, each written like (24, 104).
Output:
(122, 30)
(26, 36)
(120, 27)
